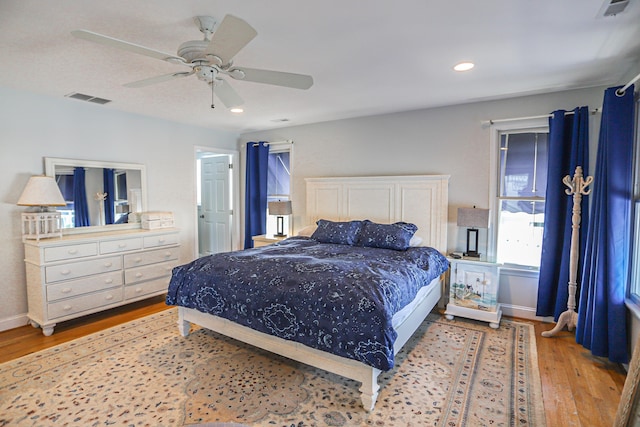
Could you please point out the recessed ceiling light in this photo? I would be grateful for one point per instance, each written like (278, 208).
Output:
(237, 110)
(464, 66)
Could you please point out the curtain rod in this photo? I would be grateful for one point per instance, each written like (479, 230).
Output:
(494, 121)
(620, 92)
(286, 141)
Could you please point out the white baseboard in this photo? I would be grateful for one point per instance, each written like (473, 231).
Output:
(523, 312)
(13, 322)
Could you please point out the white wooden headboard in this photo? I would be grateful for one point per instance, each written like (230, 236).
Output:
(419, 199)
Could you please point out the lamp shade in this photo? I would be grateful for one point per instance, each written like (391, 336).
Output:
(41, 190)
(280, 208)
(472, 217)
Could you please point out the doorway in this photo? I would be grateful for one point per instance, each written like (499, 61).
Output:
(216, 200)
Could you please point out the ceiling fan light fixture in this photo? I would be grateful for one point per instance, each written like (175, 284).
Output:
(464, 66)
(237, 110)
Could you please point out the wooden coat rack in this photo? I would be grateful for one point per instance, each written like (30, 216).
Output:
(578, 188)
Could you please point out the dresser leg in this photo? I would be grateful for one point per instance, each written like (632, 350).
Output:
(48, 330)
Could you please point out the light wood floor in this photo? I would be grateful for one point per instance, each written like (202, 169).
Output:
(579, 390)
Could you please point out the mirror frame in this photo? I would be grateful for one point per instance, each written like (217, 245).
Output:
(50, 164)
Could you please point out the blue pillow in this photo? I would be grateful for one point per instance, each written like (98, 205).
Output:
(342, 233)
(395, 236)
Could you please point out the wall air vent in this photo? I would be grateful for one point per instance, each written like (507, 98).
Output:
(613, 7)
(88, 98)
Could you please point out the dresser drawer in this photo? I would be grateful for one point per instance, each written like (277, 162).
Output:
(150, 257)
(80, 250)
(74, 270)
(82, 303)
(115, 246)
(153, 271)
(146, 288)
(86, 285)
(161, 240)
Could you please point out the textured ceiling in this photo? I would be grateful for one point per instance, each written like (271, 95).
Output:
(366, 56)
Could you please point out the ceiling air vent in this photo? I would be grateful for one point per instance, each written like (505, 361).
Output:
(88, 98)
(613, 7)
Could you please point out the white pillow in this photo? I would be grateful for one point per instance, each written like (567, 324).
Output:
(307, 231)
(415, 241)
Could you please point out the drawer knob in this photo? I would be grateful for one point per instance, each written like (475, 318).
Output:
(65, 272)
(137, 260)
(161, 240)
(66, 290)
(108, 264)
(72, 251)
(67, 307)
(167, 254)
(122, 245)
(109, 280)
(138, 290)
(138, 275)
(109, 297)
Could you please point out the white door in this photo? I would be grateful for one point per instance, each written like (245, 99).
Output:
(216, 212)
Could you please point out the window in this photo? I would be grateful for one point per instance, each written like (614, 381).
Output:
(278, 183)
(521, 187)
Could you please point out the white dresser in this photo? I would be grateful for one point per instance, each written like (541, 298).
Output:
(80, 274)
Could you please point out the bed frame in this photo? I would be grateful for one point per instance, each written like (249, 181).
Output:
(420, 199)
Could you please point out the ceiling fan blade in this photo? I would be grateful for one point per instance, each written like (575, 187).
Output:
(131, 47)
(279, 78)
(157, 79)
(227, 94)
(231, 36)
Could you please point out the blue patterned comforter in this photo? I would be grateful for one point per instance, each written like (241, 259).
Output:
(335, 298)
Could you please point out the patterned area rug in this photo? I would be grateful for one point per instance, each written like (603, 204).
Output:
(143, 373)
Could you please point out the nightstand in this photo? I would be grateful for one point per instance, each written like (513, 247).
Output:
(473, 290)
(266, 239)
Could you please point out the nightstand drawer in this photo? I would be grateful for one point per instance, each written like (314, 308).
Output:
(150, 257)
(84, 303)
(60, 253)
(74, 270)
(115, 246)
(86, 285)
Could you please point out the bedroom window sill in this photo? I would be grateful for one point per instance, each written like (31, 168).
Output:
(520, 270)
(633, 307)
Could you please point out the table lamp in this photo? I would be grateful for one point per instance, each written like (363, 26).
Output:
(473, 219)
(41, 191)
(280, 209)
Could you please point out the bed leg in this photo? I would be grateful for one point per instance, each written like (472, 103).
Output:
(184, 326)
(369, 390)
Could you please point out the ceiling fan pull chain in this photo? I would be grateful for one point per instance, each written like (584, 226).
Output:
(212, 85)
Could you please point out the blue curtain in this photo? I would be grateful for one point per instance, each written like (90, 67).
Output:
(602, 323)
(80, 206)
(568, 148)
(108, 179)
(256, 191)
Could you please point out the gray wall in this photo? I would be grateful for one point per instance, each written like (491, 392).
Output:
(447, 140)
(33, 127)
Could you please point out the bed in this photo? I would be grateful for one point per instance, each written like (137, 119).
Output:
(321, 304)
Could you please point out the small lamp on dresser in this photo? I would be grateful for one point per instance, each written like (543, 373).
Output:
(280, 209)
(41, 191)
(473, 219)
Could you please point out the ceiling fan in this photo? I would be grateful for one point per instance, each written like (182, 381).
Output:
(209, 58)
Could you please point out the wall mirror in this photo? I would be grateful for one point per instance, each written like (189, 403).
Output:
(113, 193)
